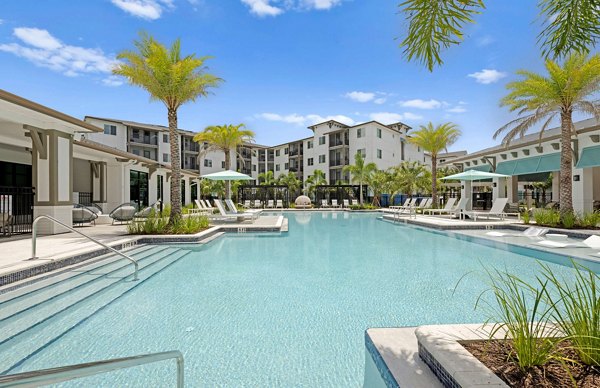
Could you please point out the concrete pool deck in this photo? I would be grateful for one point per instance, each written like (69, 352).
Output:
(15, 253)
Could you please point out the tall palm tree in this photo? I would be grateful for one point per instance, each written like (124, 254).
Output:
(435, 140)
(266, 178)
(172, 79)
(379, 182)
(291, 181)
(539, 98)
(316, 179)
(360, 172)
(225, 138)
(410, 177)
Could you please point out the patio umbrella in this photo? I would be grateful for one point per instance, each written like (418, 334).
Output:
(228, 176)
(473, 175)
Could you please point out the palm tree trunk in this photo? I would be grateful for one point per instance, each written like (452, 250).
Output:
(175, 167)
(434, 181)
(361, 193)
(566, 164)
(227, 167)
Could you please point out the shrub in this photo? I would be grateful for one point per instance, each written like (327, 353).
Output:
(526, 217)
(548, 217)
(190, 225)
(525, 316)
(157, 224)
(569, 220)
(589, 220)
(578, 311)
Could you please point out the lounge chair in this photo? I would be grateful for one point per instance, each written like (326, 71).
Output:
(5, 220)
(270, 204)
(200, 209)
(334, 203)
(424, 204)
(324, 203)
(230, 216)
(407, 203)
(145, 212)
(346, 203)
(590, 242)
(123, 213)
(497, 210)
(532, 231)
(247, 204)
(83, 215)
(355, 202)
(449, 206)
(207, 205)
(254, 212)
(258, 204)
(279, 204)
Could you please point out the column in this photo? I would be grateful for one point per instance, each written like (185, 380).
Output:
(512, 189)
(98, 181)
(499, 189)
(583, 190)
(118, 187)
(52, 170)
(466, 191)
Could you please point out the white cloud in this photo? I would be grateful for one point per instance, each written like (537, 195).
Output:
(319, 4)
(485, 41)
(457, 109)
(112, 80)
(262, 8)
(380, 100)
(360, 96)
(390, 117)
(44, 50)
(421, 104)
(1, 21)
(487, 76)
(145, 9)
(300, 120)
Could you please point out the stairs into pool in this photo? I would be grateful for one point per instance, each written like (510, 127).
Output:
(39, 313)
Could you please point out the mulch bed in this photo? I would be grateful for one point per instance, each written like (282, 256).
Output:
(498, 355)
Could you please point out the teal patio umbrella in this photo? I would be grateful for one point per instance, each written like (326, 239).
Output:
(228, 176)
(473, 175)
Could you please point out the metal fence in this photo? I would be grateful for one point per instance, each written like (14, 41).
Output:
(16, 210)
(340, 192)
(85, 198)
(265, 193)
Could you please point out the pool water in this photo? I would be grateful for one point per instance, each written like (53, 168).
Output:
(287, 309)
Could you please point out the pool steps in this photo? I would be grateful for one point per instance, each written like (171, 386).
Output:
(44, 311)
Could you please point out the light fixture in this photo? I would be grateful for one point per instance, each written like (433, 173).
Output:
(576, 178)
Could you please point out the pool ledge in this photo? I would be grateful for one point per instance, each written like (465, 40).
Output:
(430, 356)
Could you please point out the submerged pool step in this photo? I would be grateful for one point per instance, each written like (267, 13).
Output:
(55, 286)
(32, 334)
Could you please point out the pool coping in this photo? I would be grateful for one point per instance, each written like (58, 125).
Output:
(24, 276)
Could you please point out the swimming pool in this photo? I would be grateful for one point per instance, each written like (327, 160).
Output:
(285, 309)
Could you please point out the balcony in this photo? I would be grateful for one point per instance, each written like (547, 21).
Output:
(144, 141)
(339, 162)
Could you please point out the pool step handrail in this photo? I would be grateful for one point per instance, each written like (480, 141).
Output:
(34, 241)
(60, 374)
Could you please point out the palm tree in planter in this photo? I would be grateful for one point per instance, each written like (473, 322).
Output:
(410, 177)
(435, 140)
(539, 98)
(360, 172)
(316, 179)
(173, 80)
(225, 138)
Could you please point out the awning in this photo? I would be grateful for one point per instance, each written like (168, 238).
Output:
(532, 165)
(590, 157)
(483, 167)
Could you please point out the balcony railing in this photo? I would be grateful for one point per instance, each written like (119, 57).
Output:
(147, 140)
(338, 162)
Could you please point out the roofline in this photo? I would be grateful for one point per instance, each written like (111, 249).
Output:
(327, 121)
(136, 124)
(28, 104)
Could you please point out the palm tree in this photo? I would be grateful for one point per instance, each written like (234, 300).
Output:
(360, 172)
(539, 98)
(266, 178)
(379, 182)
(316, 179)
(435, 140)
(410, 178)
(172, 79)
(225, 138)
(291, 181)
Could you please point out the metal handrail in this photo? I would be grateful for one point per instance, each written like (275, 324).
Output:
(72, 372)
(34, 239)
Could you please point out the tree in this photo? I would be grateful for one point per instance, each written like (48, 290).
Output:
(172, 79)
(360, 172)
(436, 25)
(435, 140)
(316, 179)
(291, 181)
(380, 182)
(539, 98)
(266, 178)
(225, 138)
(410, 177)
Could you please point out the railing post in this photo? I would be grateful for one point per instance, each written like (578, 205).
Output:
(180, 371)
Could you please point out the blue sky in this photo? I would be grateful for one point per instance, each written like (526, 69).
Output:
(286, 63)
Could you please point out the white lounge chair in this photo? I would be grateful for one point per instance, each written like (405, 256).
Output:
(334, 203)
(5, 220)
(270, 204)
(355, 202)
(497, 210)
(346, 203)
(254, 212)
(207, 205)
(324, 203)
(279, 204)
(247, 204)
(230, 216)
(449, 206)
(590, 242)
(199, 209)
(424, 204)
(258, 204)
(532, 231)
(410, 202)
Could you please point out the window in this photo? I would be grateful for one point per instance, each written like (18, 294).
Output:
(287, 166)
(379, 133)
(321, 158)
(418, 149)
(207, 163)
(360, 132)
(223, 164)
(286, 150)
(309, 144)
(136, 152)
(276, 167)
(321, 140)
(146, 154)
(110, 129)
(363, 152)
(166, 158)
(378, 154)
(253, 167)
(136, 133)
(311, 161)
(165, 137)
(276, 152)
